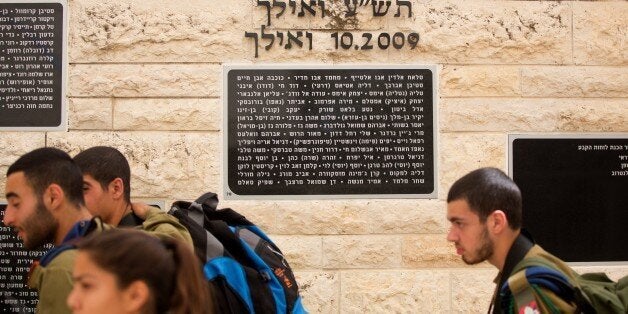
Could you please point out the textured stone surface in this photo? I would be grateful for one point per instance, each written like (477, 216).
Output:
(302, 252)
(90, 114)
(324, 217)
(534, 115)
(395, 291)
(320, 291)
(14, 145)
(599, 31)
(167, 114)
(472, 290)
(407, 216)
(470, 81)
(158, 31)
(361, 251)
(575, 81)
(512, 32)
(463, 152)
(429, 251)
(163, 165)
(144, 80)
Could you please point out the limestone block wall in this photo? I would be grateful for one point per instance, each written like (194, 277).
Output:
(145, 77)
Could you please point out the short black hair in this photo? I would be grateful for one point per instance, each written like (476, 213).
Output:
(105, 164)
(486, 190)
(48, 165)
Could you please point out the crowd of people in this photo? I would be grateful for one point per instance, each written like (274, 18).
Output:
(114, 256)
(93, 266)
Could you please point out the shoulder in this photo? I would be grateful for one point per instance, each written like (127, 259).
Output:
(539, 282)
(54, 283)
(64, 260)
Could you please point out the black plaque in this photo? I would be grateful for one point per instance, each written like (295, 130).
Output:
(574, 194)
(15, 262)
(32, 65)
(333, 132)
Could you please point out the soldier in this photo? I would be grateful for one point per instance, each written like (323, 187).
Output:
(107, 192)
(45, 205)
(484, 208)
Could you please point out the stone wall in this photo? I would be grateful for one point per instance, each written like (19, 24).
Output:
(145, 76)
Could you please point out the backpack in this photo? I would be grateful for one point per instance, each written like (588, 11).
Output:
(247, 272)
(590, 292)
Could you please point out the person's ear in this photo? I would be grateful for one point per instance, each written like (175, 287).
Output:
(135, 296)
(116, 188)
(497, 221)
(53, 196)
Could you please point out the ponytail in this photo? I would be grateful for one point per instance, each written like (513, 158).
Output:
(191, 292)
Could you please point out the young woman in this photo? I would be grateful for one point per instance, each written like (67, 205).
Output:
(129, 271)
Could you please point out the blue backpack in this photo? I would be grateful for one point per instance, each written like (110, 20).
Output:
(246, 271)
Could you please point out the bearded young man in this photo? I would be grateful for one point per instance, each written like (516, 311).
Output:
(484, 208)
(45, 205)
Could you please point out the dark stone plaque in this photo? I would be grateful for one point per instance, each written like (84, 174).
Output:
(333, 132)
(574, 194)
(32, 66)
(15, 262)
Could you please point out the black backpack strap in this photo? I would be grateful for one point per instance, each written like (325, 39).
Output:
(208, 200)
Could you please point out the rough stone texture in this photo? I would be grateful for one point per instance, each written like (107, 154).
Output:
(407, 216)
(167, 114)
(361, 251)
(163, 165)
(320, 291)
(302, 252)
(324, 217)
(450, 31)
(533, 115)
(395, 291)
(463, 152)
(14, 145)
(158, 31)
(575, 81)
(90, 114)
(473, 81)
(599, 32)
(429, 251)
(144, 80)
(512, 32)
(472, 290)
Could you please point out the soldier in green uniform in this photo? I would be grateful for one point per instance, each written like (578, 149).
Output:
(45, 205)
(107, 192)
(484, 208)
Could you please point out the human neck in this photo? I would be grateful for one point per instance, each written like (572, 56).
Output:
(119, 211)
(502, 246)
(70, 215)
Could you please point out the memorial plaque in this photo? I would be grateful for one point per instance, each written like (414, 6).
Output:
(15, 262)
(330, 132)
(32, 65)
(574, 193)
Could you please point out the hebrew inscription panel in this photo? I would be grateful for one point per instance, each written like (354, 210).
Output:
(330, 132)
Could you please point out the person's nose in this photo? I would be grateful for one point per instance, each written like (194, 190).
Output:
(73, 300)
(8, 218)
(452, 235)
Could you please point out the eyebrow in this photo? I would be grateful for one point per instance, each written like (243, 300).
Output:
(81, 276)
(11, 194)
(455, 219)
